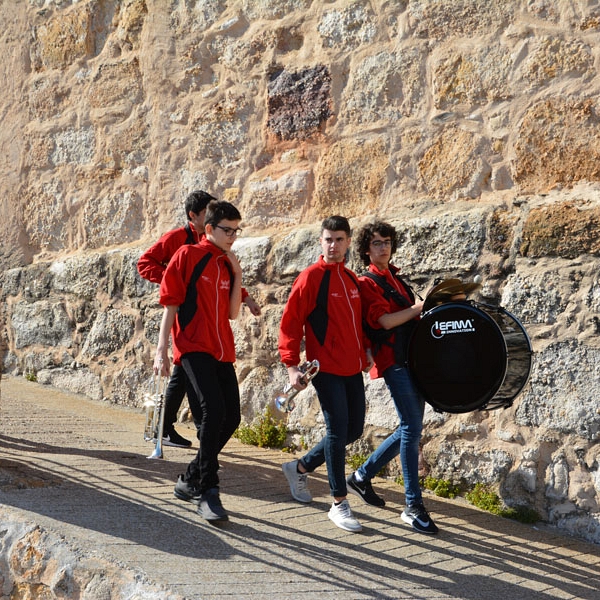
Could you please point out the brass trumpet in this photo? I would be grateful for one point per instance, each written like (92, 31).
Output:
(154, 406)
(285, 401)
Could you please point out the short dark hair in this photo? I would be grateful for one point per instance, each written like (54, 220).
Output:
(196, 202)
(336, 223)
(366, 234)
(217, 210)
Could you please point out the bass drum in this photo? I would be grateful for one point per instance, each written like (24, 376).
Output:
(466, 356)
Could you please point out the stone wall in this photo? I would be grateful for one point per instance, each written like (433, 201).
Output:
(472, 126)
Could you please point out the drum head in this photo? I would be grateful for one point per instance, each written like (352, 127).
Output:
(457, 357)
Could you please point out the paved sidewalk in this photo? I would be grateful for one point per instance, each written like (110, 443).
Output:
(82, 472)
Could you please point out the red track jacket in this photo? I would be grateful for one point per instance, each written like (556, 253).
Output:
(343, 350)
(202, 322)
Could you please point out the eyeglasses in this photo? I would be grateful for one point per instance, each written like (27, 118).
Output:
(229, 231)
(382, 243)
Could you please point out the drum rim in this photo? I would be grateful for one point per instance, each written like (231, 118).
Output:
(507, 400)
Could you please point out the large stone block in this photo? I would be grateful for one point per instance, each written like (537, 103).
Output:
(64, 39)
(114, 219)
(110, 332)
(441, 243)
(565, 230)
(440, 19)
(346, 28)
(43, 322)
(476, 76)
(252, 253)
(75, 380)
(553, 57)
(375, 90)
(571, 368)
(558, 144)
(116, 88)
(79, 275)
(350, 177)
(277, 201)
(454, 166)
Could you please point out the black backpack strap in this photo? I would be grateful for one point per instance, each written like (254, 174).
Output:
(412, 294)
(389, 291)
(187, 310)
(318, 318)
(191, 238)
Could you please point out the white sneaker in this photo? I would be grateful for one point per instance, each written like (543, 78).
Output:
(342, 516)
(297, 481)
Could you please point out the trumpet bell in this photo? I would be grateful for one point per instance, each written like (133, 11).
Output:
(285, 402)
(150, 424)
(155, 415)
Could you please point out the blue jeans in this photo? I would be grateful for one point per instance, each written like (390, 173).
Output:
(342, 401)
(410, 406)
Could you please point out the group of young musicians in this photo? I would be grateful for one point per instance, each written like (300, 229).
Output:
(349, 324)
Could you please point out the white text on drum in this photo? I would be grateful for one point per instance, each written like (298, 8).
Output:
(441, 328)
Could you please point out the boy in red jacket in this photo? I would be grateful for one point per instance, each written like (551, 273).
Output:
(151, 266)
(324, 307)
(201, 291)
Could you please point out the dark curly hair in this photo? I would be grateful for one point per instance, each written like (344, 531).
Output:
(366, 234)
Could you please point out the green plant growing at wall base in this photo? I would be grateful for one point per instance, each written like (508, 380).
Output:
(441, 487)
(31, 376)
(355, 460)
(265, 431)
(485, 498)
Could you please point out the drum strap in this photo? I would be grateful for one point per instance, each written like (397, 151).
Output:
(390, 291)
(381, 337)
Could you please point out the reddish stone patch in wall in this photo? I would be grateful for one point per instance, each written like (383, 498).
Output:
(298, 103)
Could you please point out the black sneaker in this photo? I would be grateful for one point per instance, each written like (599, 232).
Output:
(210, 506)
(185, 490)
(419, 518)
(364, 490)
(172, 438)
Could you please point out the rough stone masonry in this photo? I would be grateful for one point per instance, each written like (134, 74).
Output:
(471, 125)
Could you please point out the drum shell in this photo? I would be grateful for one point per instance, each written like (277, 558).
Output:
(459, 359)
